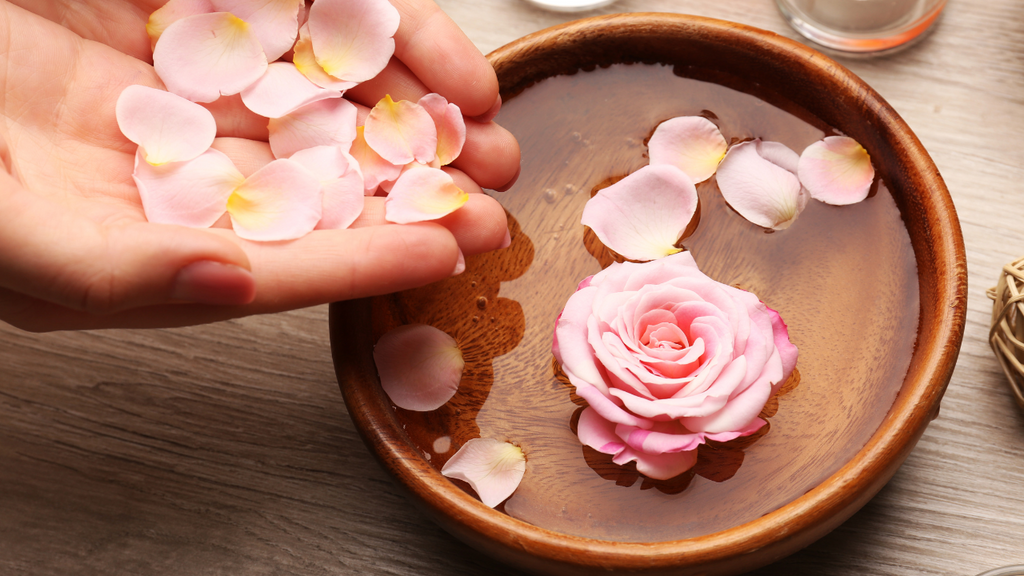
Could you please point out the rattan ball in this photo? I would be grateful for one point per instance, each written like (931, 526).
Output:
(1007, 333)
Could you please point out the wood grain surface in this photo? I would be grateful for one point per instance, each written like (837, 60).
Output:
(226, 449)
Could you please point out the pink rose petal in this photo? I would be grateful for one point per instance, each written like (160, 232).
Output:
(401, 132)
(643, 215)
(173, 11)
(352, 39)
(305, 62)
(419, 366)
(494, 469)
(342, 184)
(167, 127)
(281, 90)
(280, 201)
(836, 170)
(275, 22)
(191, 193)
(423, 194)
(205, 56)
(691, 143)
(665, 466)
(376, 170)
(330, 122)
(451, 127)
(762, 190)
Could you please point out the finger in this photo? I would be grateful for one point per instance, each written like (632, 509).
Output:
(490, 155)
(324, 266)
(57, 254)
(237, 121)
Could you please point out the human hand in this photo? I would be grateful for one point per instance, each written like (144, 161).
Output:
(77, 252)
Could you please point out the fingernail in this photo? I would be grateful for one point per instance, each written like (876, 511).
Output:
(511, 182)
(491, 113)
(507, 241)
(460, 264)
(208, 282)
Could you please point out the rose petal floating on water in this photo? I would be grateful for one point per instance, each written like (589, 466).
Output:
(376, 170)
(691, 143)
(342, 184)
(757, 179)
(352, 39)
(280, 201)
(167, 127)
(422, 194)
(192, 193)
(305, 62)
(330, 122)
(275, 22)
(451, 127)
(494, 469)
(419, 366)
(401, 132)
(205, 56)
(171, 12)
(643, 215)
(281, 90)
(836, 170)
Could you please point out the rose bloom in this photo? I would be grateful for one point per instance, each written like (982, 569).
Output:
(668, 358)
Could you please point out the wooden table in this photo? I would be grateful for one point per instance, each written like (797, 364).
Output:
(226, 449)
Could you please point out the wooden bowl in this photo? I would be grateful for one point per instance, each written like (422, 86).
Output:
(836, 438)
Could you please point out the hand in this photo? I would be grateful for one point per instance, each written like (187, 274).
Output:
(75, 248)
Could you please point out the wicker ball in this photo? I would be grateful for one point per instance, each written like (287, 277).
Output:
(1007, 333)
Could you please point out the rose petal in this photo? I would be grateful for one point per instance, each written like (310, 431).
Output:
(167, 127)
(341, 181)
(598, 433)
(275, 22)
(494, 469)
(419, 366)
(330, 122)
(643, 215)
(305, 62)
(205, 56)
(665, 466)
(173, 11)
(762, 191)
(376, 170)
(423, 194)
(280, 201)
(451, 127)
(352, 39)
(401, 132)
(836, 170)
(192, 193)
(691, 143)
(281, 90)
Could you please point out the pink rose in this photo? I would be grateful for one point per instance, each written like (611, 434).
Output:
(668, 358)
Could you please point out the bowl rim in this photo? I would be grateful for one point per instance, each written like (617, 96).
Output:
(778, 533)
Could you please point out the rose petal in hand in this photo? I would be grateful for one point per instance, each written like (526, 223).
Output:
(330, 122)
(401, 132)
(192, 193)
(352, 40)
(280, 201)
(275, 22)
(283, 89)
(342, 184)
(451, 127)
(167, 127)
(423, 194)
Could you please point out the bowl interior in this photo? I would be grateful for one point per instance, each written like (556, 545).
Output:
(868, 291)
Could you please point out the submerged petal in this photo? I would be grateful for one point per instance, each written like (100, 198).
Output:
(208, 55)
(451, 127)
(754, 180)
(419, 366)
(422, 194)
(401, 132)
(643, 215)
(275, 22)
(281, 90)
(352, 39)
(280, 201)
(494, 469)
(836, 170)
(691, 143)
(376, 170)
(193, 193)
(330, 122)
(173, 11)
(167, 127)
(342, 184)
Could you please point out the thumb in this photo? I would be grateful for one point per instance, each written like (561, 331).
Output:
(59, 254)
